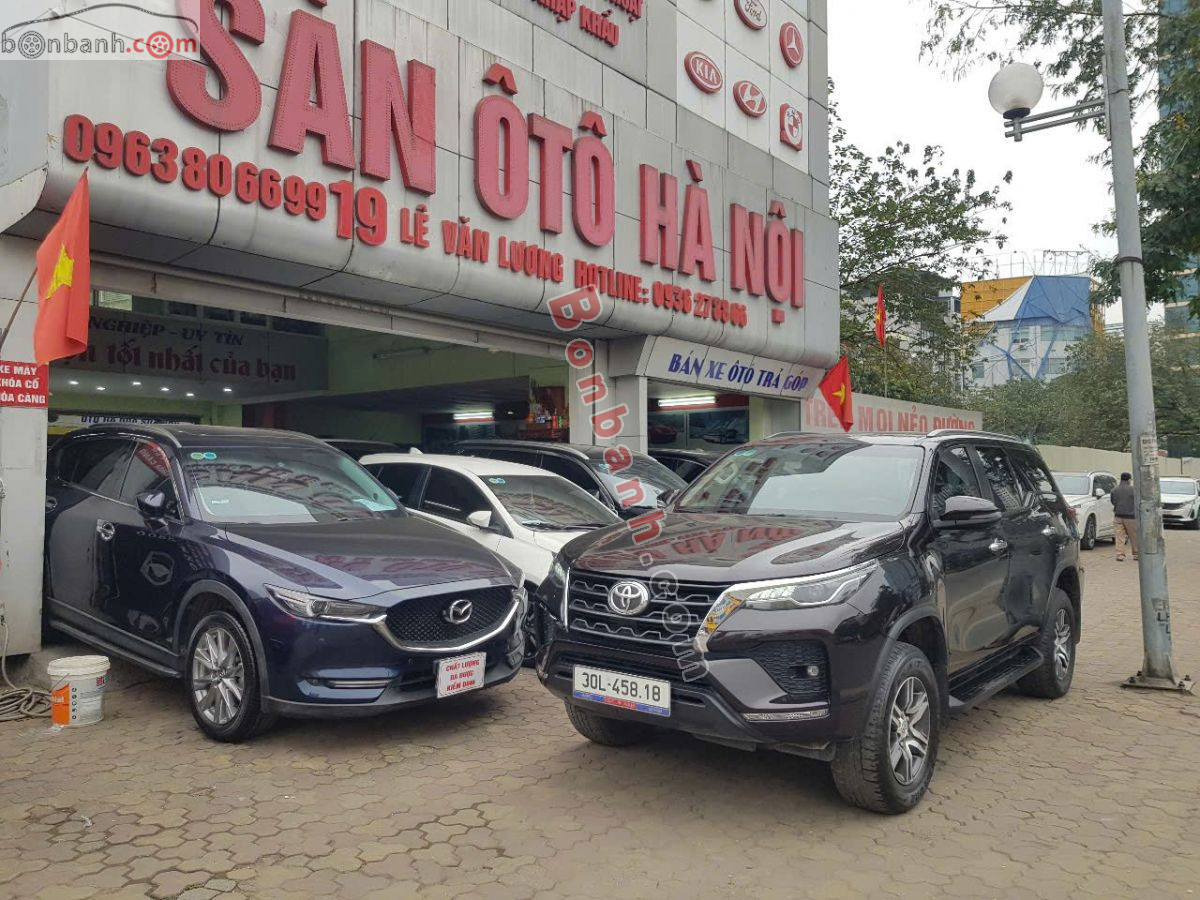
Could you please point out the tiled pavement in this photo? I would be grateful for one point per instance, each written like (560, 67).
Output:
(495, 795)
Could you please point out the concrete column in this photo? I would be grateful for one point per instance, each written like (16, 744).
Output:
(627, 389)
(22, 467)
(769, 416)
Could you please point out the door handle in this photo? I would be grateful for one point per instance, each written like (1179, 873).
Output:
(1050, 531)
(106, 530)
(51, 504)
(999, 545)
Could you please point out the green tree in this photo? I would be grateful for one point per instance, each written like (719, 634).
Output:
(911, 224)
(1086, 407)
(1064, 37)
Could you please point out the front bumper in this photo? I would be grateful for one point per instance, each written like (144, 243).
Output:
(725, 695)
(1186, 514)
(318, 668)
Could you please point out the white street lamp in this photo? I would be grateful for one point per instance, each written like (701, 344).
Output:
(1014, 92)
(1017, 88)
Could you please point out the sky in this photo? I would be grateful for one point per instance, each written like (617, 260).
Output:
(886, 92)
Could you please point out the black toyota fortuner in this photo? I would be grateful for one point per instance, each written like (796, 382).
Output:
(833, 597)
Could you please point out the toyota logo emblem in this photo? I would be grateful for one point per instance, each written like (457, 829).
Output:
(458, 612)
(628, 598)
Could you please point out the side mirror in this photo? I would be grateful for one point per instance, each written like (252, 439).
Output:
(152, 505)
(971, 511)
(1099, 492)
(481, 519)
(665, 498)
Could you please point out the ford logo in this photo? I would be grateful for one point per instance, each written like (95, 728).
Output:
(458, 612)
(749, 98)
(752, 12)
(628, 598)
(703, 72)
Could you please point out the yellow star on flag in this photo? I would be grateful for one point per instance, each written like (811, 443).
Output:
(64, 271)
(840, 393)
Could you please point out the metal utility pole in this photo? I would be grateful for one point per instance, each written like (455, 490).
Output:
(1158, 669)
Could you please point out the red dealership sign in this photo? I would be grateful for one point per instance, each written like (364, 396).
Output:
(24, 384)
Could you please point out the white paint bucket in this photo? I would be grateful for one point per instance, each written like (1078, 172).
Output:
(77, 689)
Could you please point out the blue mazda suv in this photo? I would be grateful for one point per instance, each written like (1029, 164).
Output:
(271, 573)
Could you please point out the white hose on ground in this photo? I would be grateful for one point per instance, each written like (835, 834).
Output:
(19, 702)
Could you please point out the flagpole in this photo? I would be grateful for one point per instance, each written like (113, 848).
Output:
(885, 374)
(17, 307)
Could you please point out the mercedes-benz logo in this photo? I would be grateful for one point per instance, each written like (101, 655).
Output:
(628, 598)
(458, 612)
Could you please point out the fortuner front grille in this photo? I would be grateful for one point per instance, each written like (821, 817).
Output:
(670, 620)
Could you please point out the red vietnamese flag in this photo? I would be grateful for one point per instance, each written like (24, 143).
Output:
(880, 318)
(64, 277)
(835, 386)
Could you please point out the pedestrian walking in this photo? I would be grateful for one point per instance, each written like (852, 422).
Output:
(1124, 502)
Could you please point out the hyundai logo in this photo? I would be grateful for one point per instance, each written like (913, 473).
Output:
(458, 612)
(628, 598)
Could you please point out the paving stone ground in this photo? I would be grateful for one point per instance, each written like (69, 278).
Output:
(494, 795)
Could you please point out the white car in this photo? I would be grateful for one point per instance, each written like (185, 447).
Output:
(1088, 494)
(521, 513)
(1180, 501)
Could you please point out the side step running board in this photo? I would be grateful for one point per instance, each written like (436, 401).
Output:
(979, 686)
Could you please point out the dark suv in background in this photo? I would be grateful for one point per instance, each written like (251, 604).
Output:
(269, 571)
(833, 597)
(584, 465)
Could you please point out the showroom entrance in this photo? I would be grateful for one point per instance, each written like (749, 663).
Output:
(152, 359)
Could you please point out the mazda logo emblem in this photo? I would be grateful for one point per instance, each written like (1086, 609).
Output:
(628, 598)
(458, 612)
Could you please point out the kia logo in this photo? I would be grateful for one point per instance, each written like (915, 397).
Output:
(703, 72)
(791, 44)
(749, 98)
(791, 126)
(628, 598)
(458, 612)
(752, 12)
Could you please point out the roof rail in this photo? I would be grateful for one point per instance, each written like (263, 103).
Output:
(944, 432)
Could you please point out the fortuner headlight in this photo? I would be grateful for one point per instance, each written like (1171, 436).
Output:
(788, 593)
(556, 583)
(310, 606)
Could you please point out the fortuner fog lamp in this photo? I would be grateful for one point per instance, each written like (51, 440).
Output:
(310, 606)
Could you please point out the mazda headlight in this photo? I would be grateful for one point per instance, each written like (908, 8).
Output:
(787, 593)
(310, 606)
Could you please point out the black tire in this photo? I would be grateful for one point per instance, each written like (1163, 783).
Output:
(532, 626)
(1194, 525)
(1088, 540)
(862, 768)
(249, 718)
(1052, 679)
(608, 731)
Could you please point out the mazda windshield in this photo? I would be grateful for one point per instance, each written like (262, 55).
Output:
(833, 478)
(283, 485)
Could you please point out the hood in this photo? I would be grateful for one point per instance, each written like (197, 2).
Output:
(554, 540)
(728, 548)
(1073, 499)
(1177, 498)
(360, 559)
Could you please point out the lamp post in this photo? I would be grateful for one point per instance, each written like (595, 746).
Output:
(1014, 92)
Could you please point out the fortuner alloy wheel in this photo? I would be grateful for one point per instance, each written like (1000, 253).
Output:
(889, 766)
(1057, 642)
